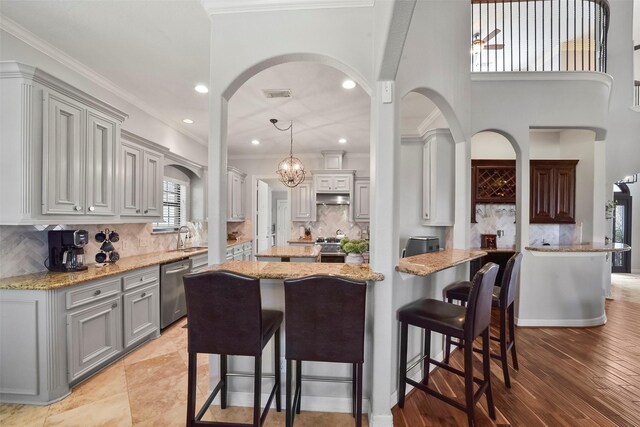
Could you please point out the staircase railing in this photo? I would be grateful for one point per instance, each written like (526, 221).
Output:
(539, 35)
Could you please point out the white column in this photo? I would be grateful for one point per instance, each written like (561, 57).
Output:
(385, 143)
(217, 188)
(462, 213)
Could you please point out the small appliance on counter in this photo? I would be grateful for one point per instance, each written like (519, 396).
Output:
(417, 245)
(107, 252)
(66, 251)
(488, 241)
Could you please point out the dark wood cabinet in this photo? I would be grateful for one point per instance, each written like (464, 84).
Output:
(492, 181)
(553, 191)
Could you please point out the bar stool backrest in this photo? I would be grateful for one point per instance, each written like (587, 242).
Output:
(224, 313)
(325, 319)
(479, 305)
(509, 280)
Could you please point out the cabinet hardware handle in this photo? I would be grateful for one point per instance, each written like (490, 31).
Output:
(98, 292)
(77, 208)
(146, 211)
(144, 294)
(114, 305)
(137, 210)
(91, 208)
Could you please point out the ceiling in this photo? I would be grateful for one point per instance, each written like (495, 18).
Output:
(157, 51)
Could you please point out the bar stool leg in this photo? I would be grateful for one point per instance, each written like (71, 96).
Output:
(192, 384)
(288, 411)
(486, 368)
(447, 341)
(278, 380)
(503, 346)
(427, 353)
(359, 398)
(257, 392)
(299, 384)
(512, 336)
(354, 390)
(468, 383)
(402, 375)
(223, 378)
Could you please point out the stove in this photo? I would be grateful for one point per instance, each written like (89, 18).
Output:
(329, 245)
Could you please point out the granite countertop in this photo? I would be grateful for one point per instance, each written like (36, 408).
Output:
(496, 250)
(429, 263)
(294, 270)
(48, 280)
(584, 247)
(305, 240)
(290, 252)
(239, 241)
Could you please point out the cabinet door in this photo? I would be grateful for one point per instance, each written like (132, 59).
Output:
(342, 183)
(63, 156)
(94, 336)
(235, 205)
(426, 180)
(361, 201)
(323, 183)
(241, 202)
(131, 181)
(141, 314)
(565, 194)
(303, 202)
(542, 191)
(152, 182)
(102, 143)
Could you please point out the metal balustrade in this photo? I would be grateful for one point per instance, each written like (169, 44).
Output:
(539, 35)
(636, 93)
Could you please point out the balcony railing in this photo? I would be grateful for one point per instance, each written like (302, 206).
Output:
(539, 35)
(636, 93)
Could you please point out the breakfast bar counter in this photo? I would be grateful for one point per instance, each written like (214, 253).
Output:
(286, 253)
(432, 262)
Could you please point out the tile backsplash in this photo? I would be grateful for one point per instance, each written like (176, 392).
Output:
(493, 217)
(329, 219)
(23, 249)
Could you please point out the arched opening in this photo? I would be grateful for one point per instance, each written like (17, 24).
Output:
(621, 214)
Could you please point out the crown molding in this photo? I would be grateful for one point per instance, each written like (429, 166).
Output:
(301, 156)
(172, 158)
(68, 61)
(216, 7)
(137, 139)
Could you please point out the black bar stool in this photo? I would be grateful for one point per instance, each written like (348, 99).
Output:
(325, 323)
(226, 318)
(463, 323)
(503, 298)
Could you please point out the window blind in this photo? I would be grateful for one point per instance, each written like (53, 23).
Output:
(173, 206)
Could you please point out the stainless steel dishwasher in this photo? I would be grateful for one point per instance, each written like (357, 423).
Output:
(173, 305)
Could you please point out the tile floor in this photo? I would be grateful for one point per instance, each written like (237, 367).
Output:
(147, 388)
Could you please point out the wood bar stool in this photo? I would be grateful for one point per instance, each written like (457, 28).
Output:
(226, 318)
(325, 323)
(503, 298)
(460, 322)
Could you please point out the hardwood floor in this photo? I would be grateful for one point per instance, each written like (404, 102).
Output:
(567, 376)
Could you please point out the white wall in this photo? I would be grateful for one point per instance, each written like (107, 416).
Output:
(139, 122)
(490, 146)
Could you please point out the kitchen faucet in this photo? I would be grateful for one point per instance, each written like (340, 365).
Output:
(181, 243)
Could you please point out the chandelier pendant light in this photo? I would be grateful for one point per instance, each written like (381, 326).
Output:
(290, 169)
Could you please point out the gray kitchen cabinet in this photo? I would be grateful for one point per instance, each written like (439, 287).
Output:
(361, 200)
(142, 180)
(438, 180)
(94, 336)
(235, 194)
(79, 158)
(247, 251)
(333, 183)
(199, 262)
(141, 313)
(303, 202)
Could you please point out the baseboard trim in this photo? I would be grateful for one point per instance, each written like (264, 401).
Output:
(381, 420)
(635, 271)
(562, 323)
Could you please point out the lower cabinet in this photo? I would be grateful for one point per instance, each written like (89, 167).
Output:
(94, 336)
(141, 314)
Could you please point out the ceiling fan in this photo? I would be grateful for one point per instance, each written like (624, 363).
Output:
(479, 43)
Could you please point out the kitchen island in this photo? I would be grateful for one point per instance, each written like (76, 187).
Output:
(297, 253)
(565, 285)
(324, 393)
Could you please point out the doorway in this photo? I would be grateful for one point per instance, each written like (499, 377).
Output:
(621, 261)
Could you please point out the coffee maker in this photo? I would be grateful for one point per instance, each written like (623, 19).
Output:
(66, 251)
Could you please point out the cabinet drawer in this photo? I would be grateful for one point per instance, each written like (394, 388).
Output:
(145, 276)
(247, 246)
(230, 252)
(237, 249)
(199, 261)
(84, 294)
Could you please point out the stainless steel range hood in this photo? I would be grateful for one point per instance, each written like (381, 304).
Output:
(332, 199)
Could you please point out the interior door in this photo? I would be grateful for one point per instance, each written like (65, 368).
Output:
(263, 223)
(282, 222)
(621, 261)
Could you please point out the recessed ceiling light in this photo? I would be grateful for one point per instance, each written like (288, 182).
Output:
(255, 142)
(348, 84)
(342, 140)
(201, 89)
(187, 121)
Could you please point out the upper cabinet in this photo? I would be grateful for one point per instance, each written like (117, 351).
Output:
(235, 194)
(303, 202)
(142, 176)
(438, 182)
(492, 181)
(60, 148)
(80, 146)
(553, 191)
(333, 182)
(361, 200)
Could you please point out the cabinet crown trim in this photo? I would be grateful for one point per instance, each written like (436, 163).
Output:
(13, 69)
(333, 172)
(145, 143)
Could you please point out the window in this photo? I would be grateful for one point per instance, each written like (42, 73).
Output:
(174, 205)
